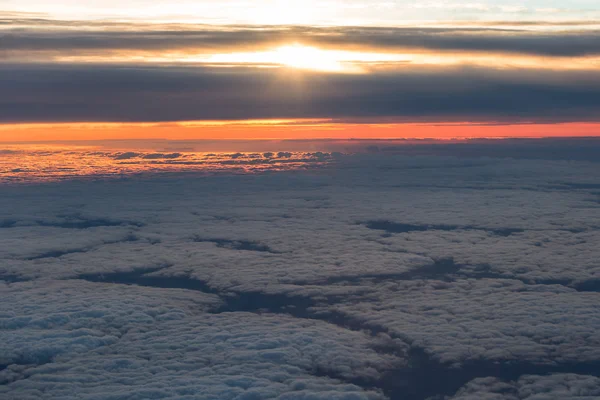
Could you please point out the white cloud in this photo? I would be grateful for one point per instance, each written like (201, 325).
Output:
(100, 341)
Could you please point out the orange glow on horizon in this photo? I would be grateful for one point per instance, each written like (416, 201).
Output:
(286, 129)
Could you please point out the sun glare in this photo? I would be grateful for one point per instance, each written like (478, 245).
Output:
(304, 57)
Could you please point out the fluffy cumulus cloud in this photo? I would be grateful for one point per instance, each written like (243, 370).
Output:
(465, 321)
(558, 386)
(122, 342)
(375, 276)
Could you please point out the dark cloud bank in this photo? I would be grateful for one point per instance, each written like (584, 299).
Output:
(35, 91)
(30, 93)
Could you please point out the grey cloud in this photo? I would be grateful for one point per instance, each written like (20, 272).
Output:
(130, 93)
(553, 149)
(162, 156)
(126, 156)
(564, 43)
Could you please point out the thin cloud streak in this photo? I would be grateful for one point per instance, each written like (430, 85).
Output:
(64, 40)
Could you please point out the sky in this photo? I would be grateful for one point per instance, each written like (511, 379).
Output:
(299, 200)
(298, 69)
(310, 12)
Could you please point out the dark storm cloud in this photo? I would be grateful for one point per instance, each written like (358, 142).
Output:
(130, 93)
(60, 37)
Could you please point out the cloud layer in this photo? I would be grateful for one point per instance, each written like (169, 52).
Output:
(31, 93)
(115, 70)
(481, 283)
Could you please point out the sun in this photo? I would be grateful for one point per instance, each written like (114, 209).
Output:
(305, 57)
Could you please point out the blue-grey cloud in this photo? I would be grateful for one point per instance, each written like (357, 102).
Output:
(66, 38)
(142, 93)
(271, 285)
